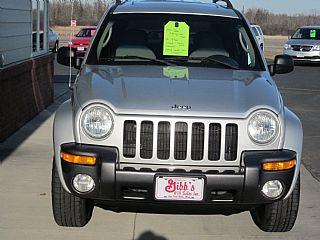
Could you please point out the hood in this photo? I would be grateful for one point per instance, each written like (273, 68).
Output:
(177, 91)
(81, 40)
(310, 42)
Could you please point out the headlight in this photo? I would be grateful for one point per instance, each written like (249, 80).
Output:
(97, 122)
(263, 127)
(287, 46)
(316, 48)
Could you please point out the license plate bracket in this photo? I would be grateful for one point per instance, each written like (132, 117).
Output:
(179, 188)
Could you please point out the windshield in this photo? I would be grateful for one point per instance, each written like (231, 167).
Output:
(307, 33)
(184, 40)
(86, 32)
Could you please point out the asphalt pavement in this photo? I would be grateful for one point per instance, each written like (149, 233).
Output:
(25, 177)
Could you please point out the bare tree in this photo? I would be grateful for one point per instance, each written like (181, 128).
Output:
(281, 24)
(87, 12)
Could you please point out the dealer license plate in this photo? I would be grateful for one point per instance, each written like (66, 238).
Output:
(179, 188)
(80, 48)
(300, 55)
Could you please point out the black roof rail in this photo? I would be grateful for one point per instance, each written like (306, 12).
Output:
(229, 4)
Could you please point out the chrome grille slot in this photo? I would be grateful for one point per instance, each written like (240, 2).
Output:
(129, 138)
(214, 141)
(197, 141)
(180, 141)
(146, 139)
(231, 144)
(163, 141)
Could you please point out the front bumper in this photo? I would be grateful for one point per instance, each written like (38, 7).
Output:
(131, 186)
(311, 56)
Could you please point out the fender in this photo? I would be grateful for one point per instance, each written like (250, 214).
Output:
(293, 140)
(62, 133)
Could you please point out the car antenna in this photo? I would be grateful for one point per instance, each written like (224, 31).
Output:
(70, 44)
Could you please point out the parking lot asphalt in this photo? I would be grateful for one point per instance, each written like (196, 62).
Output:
(25, 176)
(301, 93)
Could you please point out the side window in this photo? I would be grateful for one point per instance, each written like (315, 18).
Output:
(42, 19)
(255, 31)
(247, 47)
(34, 25)
(260, 31)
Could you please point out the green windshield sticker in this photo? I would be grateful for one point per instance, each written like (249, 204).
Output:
(176, 72)
(313, 33)
(176, 39)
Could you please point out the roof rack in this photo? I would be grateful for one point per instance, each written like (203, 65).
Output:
(229, 4)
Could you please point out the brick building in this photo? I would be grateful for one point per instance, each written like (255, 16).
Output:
(26, 66)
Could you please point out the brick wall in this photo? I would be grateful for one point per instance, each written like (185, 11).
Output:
(25, 90)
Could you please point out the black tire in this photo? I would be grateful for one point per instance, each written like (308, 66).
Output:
(279, 216)
(68, 210)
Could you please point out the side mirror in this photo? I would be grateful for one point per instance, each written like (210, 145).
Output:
(63, 56)
(282, 64)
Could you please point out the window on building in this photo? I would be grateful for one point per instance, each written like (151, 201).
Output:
(39, 26)
(42, 20)
(34, 24)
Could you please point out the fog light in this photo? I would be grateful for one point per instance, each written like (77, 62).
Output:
(272, 189)
(83, 183)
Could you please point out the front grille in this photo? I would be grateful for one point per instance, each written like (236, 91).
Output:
(180, 141)
(214, 141)
(231, 144)
(197, 143)
(201, 143)
(163, 141)
(129, 139)
(146, 139)
(301, 48)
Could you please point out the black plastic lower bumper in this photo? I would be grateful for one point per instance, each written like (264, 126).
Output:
(114, 185)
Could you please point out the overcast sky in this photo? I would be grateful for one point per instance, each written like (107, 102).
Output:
(281, 6)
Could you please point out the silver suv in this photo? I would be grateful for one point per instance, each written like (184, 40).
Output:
(304, 45)
(174, 110)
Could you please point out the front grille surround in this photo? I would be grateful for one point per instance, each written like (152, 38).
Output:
(182, 142)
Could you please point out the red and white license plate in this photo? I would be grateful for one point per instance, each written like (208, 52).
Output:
(179, 188)
(80, 48)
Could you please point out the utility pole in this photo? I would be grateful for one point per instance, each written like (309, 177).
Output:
(70, 44)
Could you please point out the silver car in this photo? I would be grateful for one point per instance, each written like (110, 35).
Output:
(259, 35)
(174, 110)
(304, 45)
(53, 40)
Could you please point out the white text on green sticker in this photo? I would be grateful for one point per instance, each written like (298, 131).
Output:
(176, 39)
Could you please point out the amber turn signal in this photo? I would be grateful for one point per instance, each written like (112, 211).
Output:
(77, 159)
(278, 166)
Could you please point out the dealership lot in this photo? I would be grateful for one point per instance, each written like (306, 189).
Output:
(25, 174)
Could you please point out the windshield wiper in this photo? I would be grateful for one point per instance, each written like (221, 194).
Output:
(142, 58)
(220, 59)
